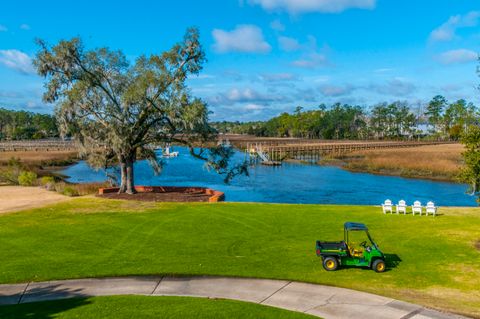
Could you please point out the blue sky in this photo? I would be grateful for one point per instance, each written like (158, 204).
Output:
(265, 56)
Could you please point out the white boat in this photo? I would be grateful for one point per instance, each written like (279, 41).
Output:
(167, 153)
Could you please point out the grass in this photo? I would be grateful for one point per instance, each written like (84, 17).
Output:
(439, 162)
(89, 237)
(41, 158)
(117, 307)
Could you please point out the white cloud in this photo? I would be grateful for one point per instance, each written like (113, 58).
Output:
(446, 31)
(24, 26)
(277, 25)
(3, 28)
(383, 70)
(17, 60)
(244, 38)
(336, 90)
(278, 77)
(305, 6)
(457, 56)
(397, 87)
(312, 60)
(288, 44)
(253, 107)
(246, 95)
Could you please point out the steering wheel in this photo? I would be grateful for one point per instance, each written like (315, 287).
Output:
(363, 244)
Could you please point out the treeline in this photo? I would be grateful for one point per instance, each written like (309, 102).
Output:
(440, 120)
(20, 125)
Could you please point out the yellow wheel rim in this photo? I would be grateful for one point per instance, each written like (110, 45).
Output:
(330, 264)
(380, 266)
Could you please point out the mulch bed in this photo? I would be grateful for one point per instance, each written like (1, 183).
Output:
(176, 196)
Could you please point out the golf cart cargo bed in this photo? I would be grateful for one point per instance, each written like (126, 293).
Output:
(331, 245)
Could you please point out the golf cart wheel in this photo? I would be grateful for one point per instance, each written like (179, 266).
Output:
(379, 265)
(330, 263)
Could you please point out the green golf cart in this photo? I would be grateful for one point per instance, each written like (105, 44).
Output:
(352, 251)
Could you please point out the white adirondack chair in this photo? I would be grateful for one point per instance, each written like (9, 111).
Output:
(402, 207)
(417, 208)
(430, 208)
(387, 206)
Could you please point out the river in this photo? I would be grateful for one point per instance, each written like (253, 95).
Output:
(290, 183)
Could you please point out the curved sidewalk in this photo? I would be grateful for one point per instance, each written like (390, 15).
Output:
(317, 300)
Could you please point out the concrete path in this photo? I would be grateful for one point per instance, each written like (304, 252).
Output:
(317, 300)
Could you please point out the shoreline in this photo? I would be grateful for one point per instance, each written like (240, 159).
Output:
(345, 166)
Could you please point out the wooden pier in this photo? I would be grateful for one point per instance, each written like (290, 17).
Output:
(314, 150)
(37, 145)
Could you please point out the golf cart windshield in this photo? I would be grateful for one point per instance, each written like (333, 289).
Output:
(352, 234)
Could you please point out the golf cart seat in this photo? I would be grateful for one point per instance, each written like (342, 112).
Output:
(355, 252)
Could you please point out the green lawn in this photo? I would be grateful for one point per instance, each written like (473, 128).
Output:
(139, 307)
(91, 237)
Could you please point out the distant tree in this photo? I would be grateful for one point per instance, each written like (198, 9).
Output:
(470, 173)
(435, 110)
(15, 125)
(459, 115)
(118, 111)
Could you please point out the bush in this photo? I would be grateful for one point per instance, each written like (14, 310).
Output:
(47, 180)
(12, 171)
(27, 178)
(69, 191)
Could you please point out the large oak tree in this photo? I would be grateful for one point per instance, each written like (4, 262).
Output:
(119, 111)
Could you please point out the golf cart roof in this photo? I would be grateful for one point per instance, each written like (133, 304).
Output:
(355, 226)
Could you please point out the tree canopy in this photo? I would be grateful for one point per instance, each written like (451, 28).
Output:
(395, 120)
(22, 125)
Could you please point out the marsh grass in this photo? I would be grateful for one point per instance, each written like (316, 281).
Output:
(41, 158)
(439, 162)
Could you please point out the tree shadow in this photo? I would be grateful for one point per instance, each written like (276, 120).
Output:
(42, 303)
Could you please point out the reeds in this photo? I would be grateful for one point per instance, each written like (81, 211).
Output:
(442, 162)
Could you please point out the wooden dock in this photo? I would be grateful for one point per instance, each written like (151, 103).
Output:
(315, 150)
(37, 145)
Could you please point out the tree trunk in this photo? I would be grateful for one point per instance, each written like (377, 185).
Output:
(127, 176)
(130, 177)
(123, 174)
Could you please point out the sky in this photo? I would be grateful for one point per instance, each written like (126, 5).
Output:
(265, 57)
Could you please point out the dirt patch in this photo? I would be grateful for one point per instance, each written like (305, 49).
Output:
(174, 196)
(477, 245)
(13, 198)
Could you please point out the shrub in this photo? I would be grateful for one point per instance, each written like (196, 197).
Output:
(47, 180)
(27, 178)
(69, 191)
(12, 171)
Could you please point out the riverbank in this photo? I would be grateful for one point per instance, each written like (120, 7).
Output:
(431, 260)
(42, 162)
(434, 162)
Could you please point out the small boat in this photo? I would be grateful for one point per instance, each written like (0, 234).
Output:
(167, 153)
(225, 143)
